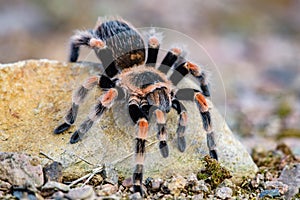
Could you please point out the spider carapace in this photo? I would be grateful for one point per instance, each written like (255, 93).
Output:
(132, 75)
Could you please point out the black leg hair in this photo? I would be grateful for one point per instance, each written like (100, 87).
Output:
(182, 122)
(103, 104)
(78, 97)
(199, 98)
(153, 48)
(77, 40)
(87, 38)
(162, 133)
(169, 60)
(139, 118)
(182, 69)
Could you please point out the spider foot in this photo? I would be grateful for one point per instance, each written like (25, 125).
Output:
(213, 154)
(75, 137)
(181, 143)
(164, 149)
(138, 188)
(61, 128)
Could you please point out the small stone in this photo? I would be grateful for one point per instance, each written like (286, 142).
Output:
(25, 170)
(192, 178)
(200, 186)
(110, 174)
(164, 188)
(85, 192)
(135, 196)
(283, 188)
(224, 192)
(177, 185)
(153, 184)
(53, 172)
(198, 197)
(58, 195)
(290, 176)
(156, 183)
(127, 182)
(51, 185)
(270, 193)
(4, 185)
(107, 189)
(24, 193)
(257, 180)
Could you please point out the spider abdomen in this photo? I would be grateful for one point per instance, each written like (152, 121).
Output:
(126, 44)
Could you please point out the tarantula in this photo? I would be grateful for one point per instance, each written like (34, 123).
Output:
(146, 88)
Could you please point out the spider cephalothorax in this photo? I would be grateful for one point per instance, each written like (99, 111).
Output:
(131, 75)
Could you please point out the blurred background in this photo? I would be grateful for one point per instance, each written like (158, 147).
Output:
(255, 45)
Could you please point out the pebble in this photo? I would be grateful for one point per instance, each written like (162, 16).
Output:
(198, 197)
(106, 190)
(51, 185)
(110, 174)
(4, 185)
(86, 192)
(164, 188)
(177, 185)
(200, 186)
(153, 184)
(271, 193)
(26, 170)
(156, 183)
(290, 176)
(127, 182)
(135, 196)
(224, 192)
(53, 172)
(283, 188)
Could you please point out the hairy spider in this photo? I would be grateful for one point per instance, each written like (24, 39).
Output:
(146, 88)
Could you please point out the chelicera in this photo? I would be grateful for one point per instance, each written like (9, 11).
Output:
(133, 74)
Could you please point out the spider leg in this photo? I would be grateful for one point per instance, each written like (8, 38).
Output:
(139, 118)
(79, 96)
(153, 48)
(83, 38)
(169, 59)
(103, 104)
(88, 38)
(199, 98)
(182, 122)
(162, 133)
(186, 67)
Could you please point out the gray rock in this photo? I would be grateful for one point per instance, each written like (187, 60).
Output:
(51, 185)
(5, 185)
(224, 192)
(290, 176)
(135, 196)
(21, 170)
(107, 189)
(43, 97)
(86, 192)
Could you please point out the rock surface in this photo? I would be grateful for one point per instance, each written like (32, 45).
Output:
(21, 170)
(35, 94)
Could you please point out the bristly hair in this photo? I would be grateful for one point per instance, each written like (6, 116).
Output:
(153, 33)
